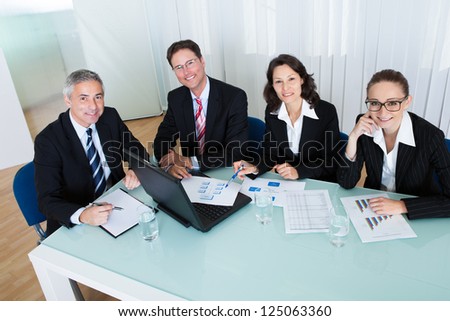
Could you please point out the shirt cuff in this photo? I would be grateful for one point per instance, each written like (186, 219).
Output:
(352, 160)
(195, 162)
(75, 218)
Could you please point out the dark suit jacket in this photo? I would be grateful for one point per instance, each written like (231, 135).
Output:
(414, 170)
(226, 125)
(63, 176)
(318, 148)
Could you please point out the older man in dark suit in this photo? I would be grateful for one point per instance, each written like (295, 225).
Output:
(87, 135)
(208, 116)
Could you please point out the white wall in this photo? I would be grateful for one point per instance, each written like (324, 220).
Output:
(116, 44)
(15, 139)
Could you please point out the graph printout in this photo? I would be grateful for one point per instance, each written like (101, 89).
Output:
(372, 227)
(307, 211)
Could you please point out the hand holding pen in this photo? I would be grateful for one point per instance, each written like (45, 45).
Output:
(114, 208)
(96, 213)
(246, 169)
(241, 167)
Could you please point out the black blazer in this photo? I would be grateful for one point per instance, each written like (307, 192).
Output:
(318, 148)
(414, 170)
(226, 125)
(63, 176)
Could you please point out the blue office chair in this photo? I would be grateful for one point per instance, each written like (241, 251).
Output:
(256, 129)
(343, 136)
(25, 194)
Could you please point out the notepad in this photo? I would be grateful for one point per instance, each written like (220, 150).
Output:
(121, 221)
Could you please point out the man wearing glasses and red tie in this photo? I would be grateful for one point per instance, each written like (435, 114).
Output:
(208, 116)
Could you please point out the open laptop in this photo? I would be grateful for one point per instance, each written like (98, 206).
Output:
(171, 197)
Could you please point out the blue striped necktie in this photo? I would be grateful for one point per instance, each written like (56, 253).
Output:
(96, 166)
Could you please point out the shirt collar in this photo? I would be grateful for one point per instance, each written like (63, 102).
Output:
(205, 93)
(306, 111)
(405, 133)
(80, 130)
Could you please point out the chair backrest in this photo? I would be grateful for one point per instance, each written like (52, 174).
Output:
(26, 197)
(343, 136)
(256, 128)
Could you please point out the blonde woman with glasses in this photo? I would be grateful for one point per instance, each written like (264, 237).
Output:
(402, 152)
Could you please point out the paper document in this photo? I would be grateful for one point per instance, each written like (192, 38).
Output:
(307, 211)
(212, 191)
(372, 227)
(275, 186)
(121, 221)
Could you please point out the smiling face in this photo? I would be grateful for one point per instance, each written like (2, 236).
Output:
(385, 91)
(86, 102)
(192, 74)
(288, 85)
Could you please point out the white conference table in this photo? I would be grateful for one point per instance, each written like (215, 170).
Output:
(240, 259)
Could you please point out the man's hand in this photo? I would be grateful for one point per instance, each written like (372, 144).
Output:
(96, 215)
(173, 158)
(131, 181)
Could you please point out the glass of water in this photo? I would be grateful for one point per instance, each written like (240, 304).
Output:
(339, 227)
(148, 224)
(264, 207)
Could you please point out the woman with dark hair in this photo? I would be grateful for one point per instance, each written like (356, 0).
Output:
(302, 130)
(401, 151)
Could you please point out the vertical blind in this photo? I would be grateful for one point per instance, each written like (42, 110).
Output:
(342, 42)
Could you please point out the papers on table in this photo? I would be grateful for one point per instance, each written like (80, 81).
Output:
(276, 188)
(372, 227)
(121, 221)
(210, 190)
(307, 211)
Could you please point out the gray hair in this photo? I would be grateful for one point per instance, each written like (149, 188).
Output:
(78, 76)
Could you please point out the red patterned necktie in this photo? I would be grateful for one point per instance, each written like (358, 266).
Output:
(200, 124)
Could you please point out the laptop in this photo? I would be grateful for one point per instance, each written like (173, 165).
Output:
(168, 192)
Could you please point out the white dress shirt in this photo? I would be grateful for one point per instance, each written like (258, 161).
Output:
(204, 98)
(294, 132)
(82, 135)
(405, 135)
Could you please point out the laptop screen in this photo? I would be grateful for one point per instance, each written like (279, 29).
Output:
(165, 190)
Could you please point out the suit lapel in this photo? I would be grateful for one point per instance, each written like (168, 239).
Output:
(188, 115)
(376, 155)
(404, 158)
(213, 107)
(308, 131)
(78, 151)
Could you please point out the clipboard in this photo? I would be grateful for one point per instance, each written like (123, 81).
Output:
(121, 221)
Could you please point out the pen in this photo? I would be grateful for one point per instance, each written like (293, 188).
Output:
(234, 175)
(117, 208)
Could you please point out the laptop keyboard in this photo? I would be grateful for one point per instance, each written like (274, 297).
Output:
(212, 212)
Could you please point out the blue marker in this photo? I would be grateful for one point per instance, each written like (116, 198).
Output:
(235, 175)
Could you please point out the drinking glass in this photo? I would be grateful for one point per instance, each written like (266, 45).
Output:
(339, 227)
(264, 207)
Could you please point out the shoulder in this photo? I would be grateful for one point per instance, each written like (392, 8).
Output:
(224, 87)
(110, 112)
(424, 129)
(178, 93)
(324, 109)
(55, 128)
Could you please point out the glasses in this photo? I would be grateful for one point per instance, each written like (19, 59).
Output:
(188, 65)
(390, 105)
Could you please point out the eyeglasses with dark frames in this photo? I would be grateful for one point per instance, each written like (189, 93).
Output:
(188, 65)
(390, 105)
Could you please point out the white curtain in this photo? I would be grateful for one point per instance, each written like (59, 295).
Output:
(343, 42)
